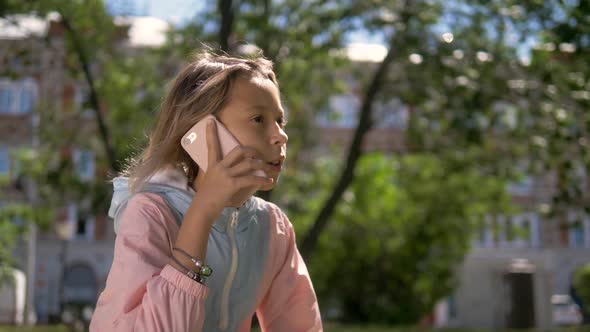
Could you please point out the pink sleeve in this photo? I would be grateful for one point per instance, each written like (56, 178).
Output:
(143, 292)
(290, 303)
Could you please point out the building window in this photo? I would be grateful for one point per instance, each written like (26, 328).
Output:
(452, 303)
(84, 164)
(518, 231)
(481, 231)
(535, 230)
(483, 237)
(27, 95)
(6, 97)
(17, 96)
(80, 225)
(4, 162)
(525, 232)
(27, 99)
(392, 114)
(89, 228)
(523, 187)
(499, 229)
(342, 112)
(509, 229)
(576, 235)
(84, 229)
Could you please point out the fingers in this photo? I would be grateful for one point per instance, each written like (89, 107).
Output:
(237, 154)
(252, 181)
(213, 147)
(248, 166)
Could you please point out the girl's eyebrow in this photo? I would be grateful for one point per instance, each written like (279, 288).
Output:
(264, 108)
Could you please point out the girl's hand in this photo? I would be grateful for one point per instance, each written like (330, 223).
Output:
(231, 175)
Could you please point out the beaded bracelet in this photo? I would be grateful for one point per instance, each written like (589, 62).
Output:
(203, 269)
(191, 274)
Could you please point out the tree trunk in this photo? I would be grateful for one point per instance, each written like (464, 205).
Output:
(94, 99)
(227, 20)
(310, 239)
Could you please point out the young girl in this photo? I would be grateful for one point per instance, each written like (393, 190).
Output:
(175, 223)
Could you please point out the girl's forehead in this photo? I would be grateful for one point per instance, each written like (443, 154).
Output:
(250, 95)
(263, 83)
(255, 90)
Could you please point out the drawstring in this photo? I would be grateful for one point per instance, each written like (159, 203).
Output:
(224, 314)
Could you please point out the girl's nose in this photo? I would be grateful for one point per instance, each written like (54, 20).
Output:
(280, 136)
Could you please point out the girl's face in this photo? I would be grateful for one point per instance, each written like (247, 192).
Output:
(253, 114)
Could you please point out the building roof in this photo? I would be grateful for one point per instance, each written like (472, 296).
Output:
(22, 26)
(147, 31)
(144, 31)
(364, 52)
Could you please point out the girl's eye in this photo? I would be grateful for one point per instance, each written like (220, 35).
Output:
(258, 119)
(282, 122)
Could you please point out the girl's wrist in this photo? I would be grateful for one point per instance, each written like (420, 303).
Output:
(208, 209)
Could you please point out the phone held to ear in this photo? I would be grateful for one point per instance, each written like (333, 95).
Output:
(194, 142)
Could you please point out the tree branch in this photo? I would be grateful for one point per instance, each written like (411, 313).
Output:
(94, 99)
(226, 11)
(310, 239)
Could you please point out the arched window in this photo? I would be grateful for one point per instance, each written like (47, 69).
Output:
(79, 284)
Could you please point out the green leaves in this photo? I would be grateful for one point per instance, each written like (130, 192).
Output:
(47, 173)
(398, 234)
(581, 283)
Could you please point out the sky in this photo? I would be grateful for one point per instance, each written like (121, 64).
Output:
(178, 11)
(174, 11)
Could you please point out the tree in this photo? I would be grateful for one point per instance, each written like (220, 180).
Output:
(70, 13)
(581, 284)
(398, 236)
(116, 88)
(562, 123)
(478, 113)
(527, 115)
(298, 37)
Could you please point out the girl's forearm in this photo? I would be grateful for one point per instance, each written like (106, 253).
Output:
(194, 231)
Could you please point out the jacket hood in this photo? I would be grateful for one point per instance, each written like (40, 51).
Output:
(172, 185)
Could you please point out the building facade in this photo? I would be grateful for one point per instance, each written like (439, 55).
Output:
(545, 253)
(74, 267)
(72, 260)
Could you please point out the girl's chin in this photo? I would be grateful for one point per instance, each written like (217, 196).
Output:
(270, 186)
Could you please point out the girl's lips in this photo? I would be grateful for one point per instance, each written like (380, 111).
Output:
(276, 166)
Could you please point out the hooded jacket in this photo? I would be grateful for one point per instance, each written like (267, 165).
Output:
(257, 268)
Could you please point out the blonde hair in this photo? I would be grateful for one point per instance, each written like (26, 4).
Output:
(201, 88)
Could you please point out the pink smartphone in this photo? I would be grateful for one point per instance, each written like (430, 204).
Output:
(194, 142)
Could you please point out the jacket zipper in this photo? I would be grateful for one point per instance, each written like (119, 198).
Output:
(224, 313)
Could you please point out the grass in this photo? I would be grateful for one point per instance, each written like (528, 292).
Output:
(339, 328)
(41, 328)
(327, 328)
(369, 328)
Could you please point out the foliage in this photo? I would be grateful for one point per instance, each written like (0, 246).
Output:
(298, 37)
(10, 230)
(480, 116)
(402, 228)
(581, 283)
(129, 87)
(527, 115)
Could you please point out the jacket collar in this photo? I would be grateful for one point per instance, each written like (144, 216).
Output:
(173, 183)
